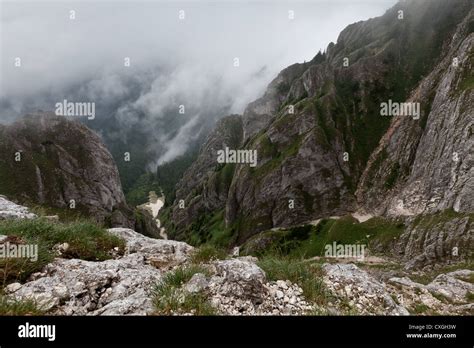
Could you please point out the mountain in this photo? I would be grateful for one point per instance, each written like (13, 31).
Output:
(360, 200)
(336, 154)
(63, 166)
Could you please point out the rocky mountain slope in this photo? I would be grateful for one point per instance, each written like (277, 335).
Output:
(63, 168)
(427, 166)
(51, 161)
(325, 150)
(165, 277)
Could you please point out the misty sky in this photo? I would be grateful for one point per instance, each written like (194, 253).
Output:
(173, 61)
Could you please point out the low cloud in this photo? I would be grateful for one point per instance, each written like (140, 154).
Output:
(174, 62)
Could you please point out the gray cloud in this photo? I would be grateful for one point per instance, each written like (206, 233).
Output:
(173, 61)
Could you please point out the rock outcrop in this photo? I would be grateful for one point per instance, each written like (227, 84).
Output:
(427, 165)
(205, 184)
(446, 294)
(360, 290)
(238, 286)
(435, 239)
(52, 161)
(78, 287)
(114, 287)
(232, 286)
(10, 210)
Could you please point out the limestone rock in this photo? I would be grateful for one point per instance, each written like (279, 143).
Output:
(197, 283)
(455, 286)
(365, 293)
(120, 286)
(80, 287)
(62, 161)
(447, 294)
(161, 253)
(10, 210)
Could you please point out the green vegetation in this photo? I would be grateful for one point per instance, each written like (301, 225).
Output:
(325, 128)
(168, 298)
(208, 252)
(86, 241)
(210, 229)
(309, 241)
(420, 308)
(427, 277)
(467, 83)
(283, 88)
(429, 221)
(224, 177)
(267, 148)
(441, 297)
(281, 242)
(347, 230)
(10, 306)
(168, 174)
(470, 297)
(376, 164)
(19, 269)
(308, 275)
(469, 279)
(138, 193)
(393, 176)
(133, 141)
(278, 155)
(64, 214)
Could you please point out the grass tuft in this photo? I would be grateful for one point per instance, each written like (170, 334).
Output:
(308, 275)
(86, 241)
(207, 253)
(10, 306)
(169, 298)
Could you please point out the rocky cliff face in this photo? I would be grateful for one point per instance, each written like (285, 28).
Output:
(427, 165)
(323, 147)
(54, 162)
(205, 184)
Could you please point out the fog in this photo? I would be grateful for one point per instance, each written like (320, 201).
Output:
(173, 61)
